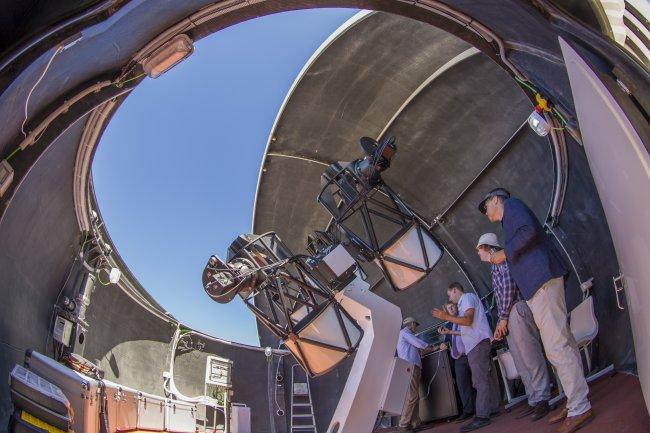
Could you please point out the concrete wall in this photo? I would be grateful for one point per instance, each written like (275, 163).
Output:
(38, 240)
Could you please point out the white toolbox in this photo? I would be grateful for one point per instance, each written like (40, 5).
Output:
(82, 391)
(121, 406)
(151, 412)
(180, 417)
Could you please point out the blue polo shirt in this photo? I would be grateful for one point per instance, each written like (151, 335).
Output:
(532, 257)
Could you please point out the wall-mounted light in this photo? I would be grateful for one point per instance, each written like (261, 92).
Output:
(538, 124)
(169, 55)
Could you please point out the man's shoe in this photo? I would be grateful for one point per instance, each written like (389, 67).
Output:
(524, 413)
(560, 416)
(573, 423)
(476, 424)
(463, 417)
(495, 414)
(541, 410)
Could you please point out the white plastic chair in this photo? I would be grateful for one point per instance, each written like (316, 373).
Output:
(584, 326)
(508, 372)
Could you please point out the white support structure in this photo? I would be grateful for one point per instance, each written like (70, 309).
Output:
(371, 387)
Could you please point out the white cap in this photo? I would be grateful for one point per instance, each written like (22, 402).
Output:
(489, 239)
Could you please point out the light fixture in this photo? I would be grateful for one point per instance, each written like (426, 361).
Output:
(167, 56)
(379, 224)
(538, 123)
(288, 296)
(114, 275)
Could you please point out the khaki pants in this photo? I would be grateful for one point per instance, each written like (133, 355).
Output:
(549, 311)
(526, 350)
(410, 412)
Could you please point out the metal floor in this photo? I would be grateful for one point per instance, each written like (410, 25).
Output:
(617, 402)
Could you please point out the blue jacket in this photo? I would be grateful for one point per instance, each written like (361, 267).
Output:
(532, 257)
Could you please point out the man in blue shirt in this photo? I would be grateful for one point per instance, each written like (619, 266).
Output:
(475, 335)
(517, 325)
(539, 272)
(408, 348)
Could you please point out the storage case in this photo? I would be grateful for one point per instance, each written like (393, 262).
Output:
(121, 406)
(62, 422)
(81, 391)
(151, 412)
(180, 417)
(39, 390)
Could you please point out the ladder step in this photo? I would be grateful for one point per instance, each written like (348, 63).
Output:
(303, 427)
(303, 415)
(301, 404)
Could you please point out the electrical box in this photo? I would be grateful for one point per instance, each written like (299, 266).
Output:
(218, 371)
(6, 176)
(62, 330)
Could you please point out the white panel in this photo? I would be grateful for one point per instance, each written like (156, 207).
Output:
(620, 165)
(180, 417)
(339, 260)
(240, 419)
(151, 412)
(380, 320)
(399, 380)
(402, 276)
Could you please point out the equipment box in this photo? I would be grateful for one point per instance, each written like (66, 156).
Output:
(151, 412)
(39, 397)
(121, 406)
(180, 417)
(82, 391)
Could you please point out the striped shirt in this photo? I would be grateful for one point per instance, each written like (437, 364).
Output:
(505, 289)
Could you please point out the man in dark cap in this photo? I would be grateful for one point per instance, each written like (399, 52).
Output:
(538, 270)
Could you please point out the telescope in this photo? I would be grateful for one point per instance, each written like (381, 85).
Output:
(319, 305)
(375, 219)
(291, 295)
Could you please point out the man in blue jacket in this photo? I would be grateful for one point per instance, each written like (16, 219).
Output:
(538, 270)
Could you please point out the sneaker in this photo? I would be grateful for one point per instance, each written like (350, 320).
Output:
(476, 424)
(541, 410)
(573, 423)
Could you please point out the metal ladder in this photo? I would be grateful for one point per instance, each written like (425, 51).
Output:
(302, 411)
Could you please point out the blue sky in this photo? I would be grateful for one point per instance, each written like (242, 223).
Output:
(176, 170)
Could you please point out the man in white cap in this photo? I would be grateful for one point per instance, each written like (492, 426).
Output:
(408, 348)
(517, 325)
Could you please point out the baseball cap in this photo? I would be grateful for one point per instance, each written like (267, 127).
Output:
(497, 192)
(489, 239)
(410, 320)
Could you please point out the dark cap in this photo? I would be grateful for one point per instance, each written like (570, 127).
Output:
(496, 192)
